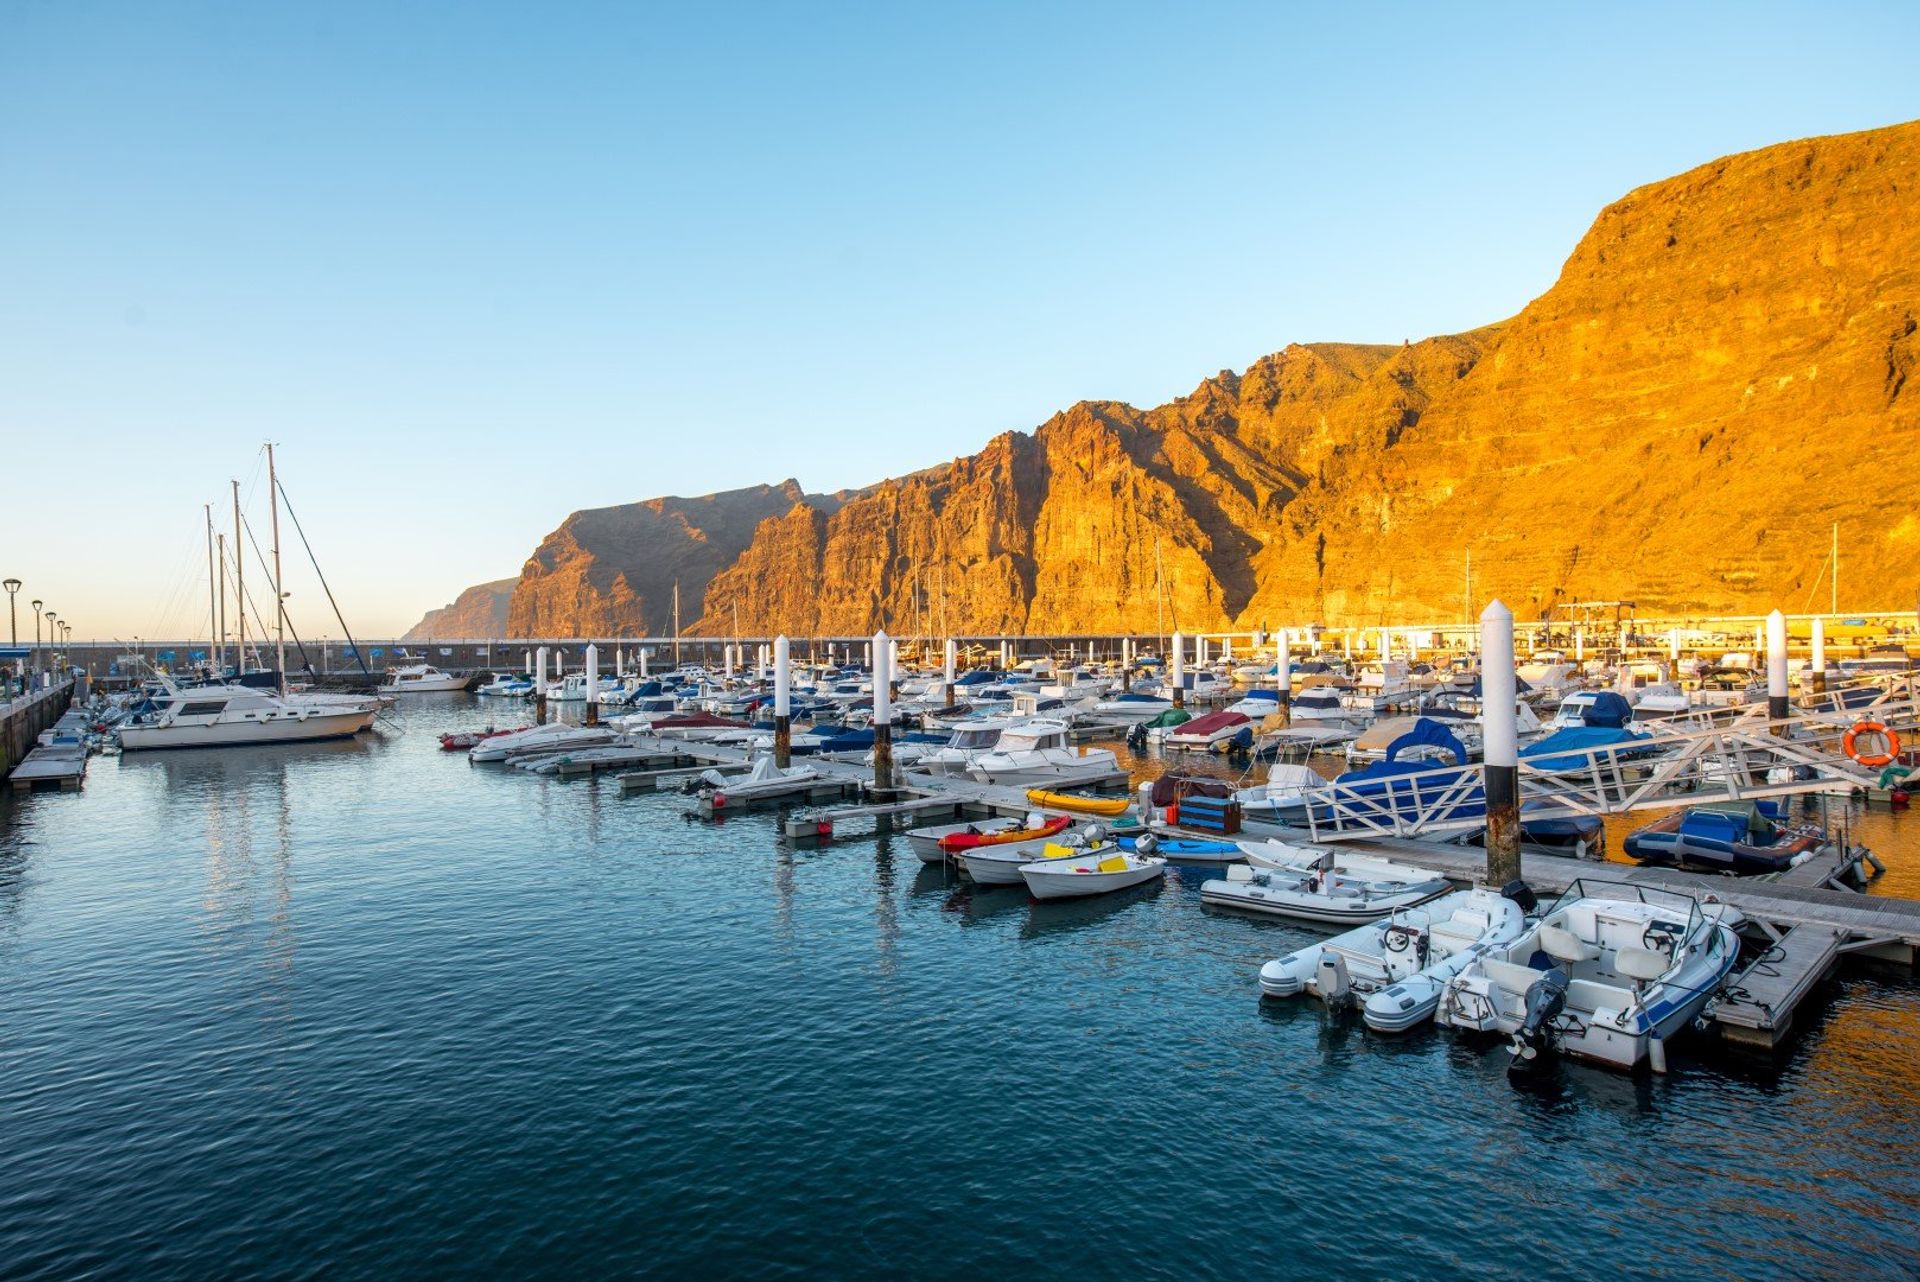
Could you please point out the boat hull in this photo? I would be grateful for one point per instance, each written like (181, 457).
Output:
(243, 734)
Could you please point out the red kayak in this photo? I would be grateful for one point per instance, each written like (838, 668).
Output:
(955, 841)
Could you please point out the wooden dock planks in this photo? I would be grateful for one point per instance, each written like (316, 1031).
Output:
(1758, 1006)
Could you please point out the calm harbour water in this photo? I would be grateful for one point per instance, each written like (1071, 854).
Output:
(363, 1010)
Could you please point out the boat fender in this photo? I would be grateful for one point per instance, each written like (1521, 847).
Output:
(1889, 740)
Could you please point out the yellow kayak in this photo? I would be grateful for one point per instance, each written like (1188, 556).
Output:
(1106, 806)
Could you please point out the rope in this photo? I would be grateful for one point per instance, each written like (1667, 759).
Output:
(345, 631)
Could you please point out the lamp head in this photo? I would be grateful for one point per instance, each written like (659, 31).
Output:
(11, 585)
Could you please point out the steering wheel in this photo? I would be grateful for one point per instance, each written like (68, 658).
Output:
(1659, 937)
(1398, 939)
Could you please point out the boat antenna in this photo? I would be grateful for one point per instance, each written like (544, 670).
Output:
(344, 629)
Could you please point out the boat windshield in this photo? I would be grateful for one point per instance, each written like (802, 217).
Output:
(982, 738)
(1671, 901)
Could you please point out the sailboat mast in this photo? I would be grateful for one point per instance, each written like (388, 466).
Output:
(279, 590)
(676, 623)
(239, 588)
(1159, 594)
(220, 646)
(1833, 600)
(213, 587)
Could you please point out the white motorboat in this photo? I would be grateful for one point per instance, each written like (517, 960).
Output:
(1608, 974)
(971, 740)
(572, 688)
(925, 842)
(1001, 865)
(231, 716)
(763, 779)
(1320, 703)
(555, 736)
(1090, 872)
(1341, 890)
(421, 678)
(1204, 732)
(1283, 797)
(1131, 707)
(1036, 752)
(1399, 964)
(507, 685)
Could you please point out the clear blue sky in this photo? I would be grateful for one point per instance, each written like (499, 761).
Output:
(475, 265)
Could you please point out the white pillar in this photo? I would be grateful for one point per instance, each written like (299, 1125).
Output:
(540, 670)
(782, 677)
(882, 647)
(643, 662)
(1776, 665)
(893, 660)
(1283, 667)
(529, 655)
(1673, 644)
(1819, 646)
(1179, 673)
(593, 684)
(952, 660)
(620, 661)
(1500, 739)
(1579, 644)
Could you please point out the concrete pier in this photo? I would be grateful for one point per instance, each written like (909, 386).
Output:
(22, 720)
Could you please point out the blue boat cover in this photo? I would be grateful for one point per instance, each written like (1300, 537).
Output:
(1572, 748)
(1608, 709)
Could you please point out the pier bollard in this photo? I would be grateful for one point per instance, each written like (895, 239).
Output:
(1179, 670)
(1500, 739)
(1777, 670)
(882, 712)
(1819, 655)
(540, 686)
(1283, 669)
(593, 684)
(782, 702)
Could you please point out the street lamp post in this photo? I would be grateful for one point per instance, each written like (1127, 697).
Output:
(36, 634)
(52, 640)
(13, 622)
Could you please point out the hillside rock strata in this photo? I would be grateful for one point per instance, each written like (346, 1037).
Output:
(1723, 369)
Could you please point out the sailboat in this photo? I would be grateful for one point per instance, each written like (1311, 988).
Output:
(235, 714)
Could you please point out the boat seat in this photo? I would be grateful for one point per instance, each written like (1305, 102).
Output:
(1454, 936)
(1514, 978)
(1641, 963)
(1239, 872)
(1563, 945)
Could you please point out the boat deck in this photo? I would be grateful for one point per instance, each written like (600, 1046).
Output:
(60, 768)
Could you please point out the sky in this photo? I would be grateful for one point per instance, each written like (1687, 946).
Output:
(474, 266)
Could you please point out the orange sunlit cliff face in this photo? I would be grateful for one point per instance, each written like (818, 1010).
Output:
(1723, 369)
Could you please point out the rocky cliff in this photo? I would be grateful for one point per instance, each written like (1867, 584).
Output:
(1723, 369)
(478, 612)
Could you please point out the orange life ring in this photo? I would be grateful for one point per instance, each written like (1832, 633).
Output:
(1891, 739)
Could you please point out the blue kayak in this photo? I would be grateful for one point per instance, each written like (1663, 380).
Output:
(1177, 848)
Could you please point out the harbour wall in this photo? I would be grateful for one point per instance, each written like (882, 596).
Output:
(22, 720)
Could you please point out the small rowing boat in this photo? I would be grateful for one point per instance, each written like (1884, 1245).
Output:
(1110, 807)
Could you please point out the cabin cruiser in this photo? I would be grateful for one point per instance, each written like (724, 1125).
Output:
(421, 678)
(1591, 708)
(508, 685)
(1283, 797)
(230, 716)
(970, 741)
(1381, 686)
(1037, 751)
(1131, 706)
(1321, 702)
(1608, 974)
(1398, 966)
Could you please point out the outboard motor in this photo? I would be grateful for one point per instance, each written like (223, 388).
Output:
(1522, 894)
(1331, 979)
(1146, 843)
(1545, 1000)
(1137, 737)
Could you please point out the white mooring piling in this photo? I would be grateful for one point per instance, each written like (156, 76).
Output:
(1283, 668)
(593, 684)
(540, 686)
(1819, 661)
(782, 701)
(1777, 669)
(1179, 675)
(1500, 739)
(951, 664)
(882, 648)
